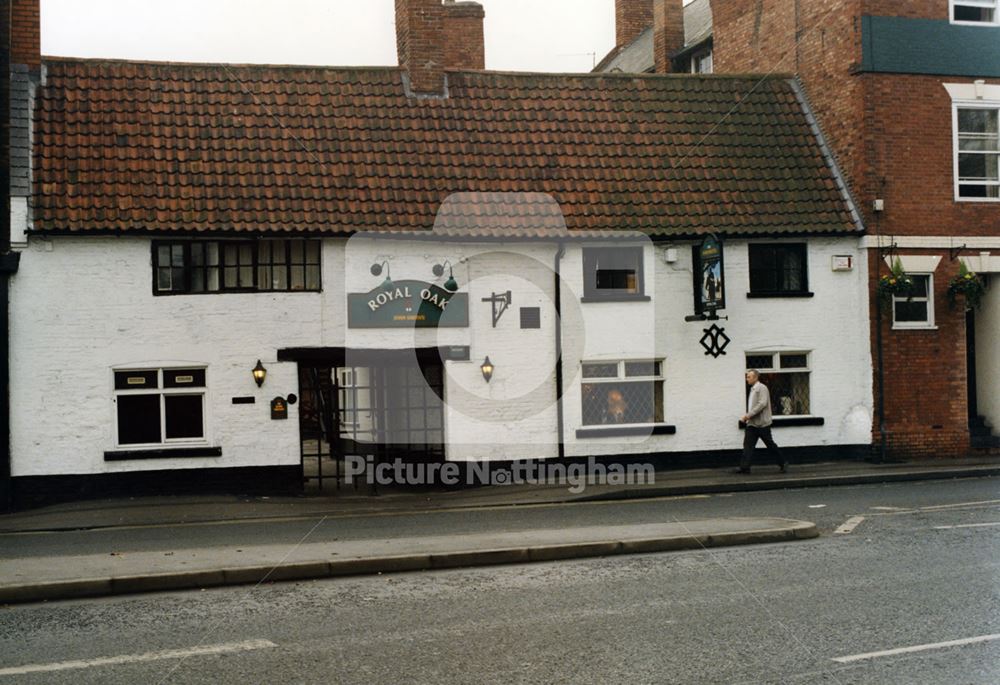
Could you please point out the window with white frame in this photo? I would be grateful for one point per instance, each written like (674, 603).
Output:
(917, 310)
(622, 392)
(786, 375)
(157, 407)
(977, 151)
(613, 273)
(975, 11)
(701, 62)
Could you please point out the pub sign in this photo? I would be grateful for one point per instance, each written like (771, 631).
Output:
(408, 304)
(711, 290)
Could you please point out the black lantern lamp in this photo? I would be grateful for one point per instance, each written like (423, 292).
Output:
(451, 285)
(376, 270)
(259, 373)
(487, 368)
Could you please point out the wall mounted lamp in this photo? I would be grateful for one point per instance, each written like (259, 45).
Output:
(487, 368)
(259, 373)
(376, 270)
(451, 285)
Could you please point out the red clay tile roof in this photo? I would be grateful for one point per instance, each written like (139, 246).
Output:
(125, 146)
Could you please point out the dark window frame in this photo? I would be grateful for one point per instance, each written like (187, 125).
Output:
(591, 293)
(161, 390)
(780, 250)
(255, 266)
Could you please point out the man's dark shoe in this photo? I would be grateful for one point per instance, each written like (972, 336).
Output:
(784, 468)
(743, 471)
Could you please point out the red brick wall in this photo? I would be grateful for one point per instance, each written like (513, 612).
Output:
(668, 32)
(759, 36)
(464, 42)
(632, 17)
(911, 155)
(420, 43)
(926, 386)
(913, 9)
(25, 40)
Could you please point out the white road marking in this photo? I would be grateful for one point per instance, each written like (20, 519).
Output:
(889, 508)
(849, 525)
(916, 648)
(205, 650)
(959, 504)
(967, 525)
(816, 506)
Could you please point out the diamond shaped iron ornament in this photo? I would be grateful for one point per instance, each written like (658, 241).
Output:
(715, 341)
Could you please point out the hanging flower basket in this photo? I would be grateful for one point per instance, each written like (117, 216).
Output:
(896, 283)
(967, 284)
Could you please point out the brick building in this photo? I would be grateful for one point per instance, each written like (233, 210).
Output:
(907, 96)
(366, 239)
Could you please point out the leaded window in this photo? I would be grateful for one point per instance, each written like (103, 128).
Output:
(622, 392)
(210, 266)
(786, 375)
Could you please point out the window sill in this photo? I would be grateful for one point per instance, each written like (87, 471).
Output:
(897, 327)
(615, 298)
(754, 296)
(163, 453)
(784, 421)
(623, 431)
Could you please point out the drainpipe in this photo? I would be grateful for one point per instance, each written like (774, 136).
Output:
(560, 253)
(8, 267)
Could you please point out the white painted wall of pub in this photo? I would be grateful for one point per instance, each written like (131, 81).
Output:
(82, 306)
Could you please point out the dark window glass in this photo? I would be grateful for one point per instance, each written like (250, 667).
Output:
(184, 378)
(642, 368)
(760, 361)
(793, 361)
(777, 269)
(910, 312)
(599, 370)
(138, 419)
(789, 392)
(966, 13)
(623, 402)
(612, 271)
(183, 416)
(135, 380)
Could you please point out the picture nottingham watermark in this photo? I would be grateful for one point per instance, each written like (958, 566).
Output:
(577, 476)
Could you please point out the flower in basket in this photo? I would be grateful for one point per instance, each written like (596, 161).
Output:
(896, 283)
(968, 284)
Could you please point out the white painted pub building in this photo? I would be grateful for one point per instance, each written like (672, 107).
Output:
(232, 276)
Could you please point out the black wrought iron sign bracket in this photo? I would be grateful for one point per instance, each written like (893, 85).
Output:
(500, 302)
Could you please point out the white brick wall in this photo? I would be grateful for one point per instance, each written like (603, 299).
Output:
(988, 355)
(86, 305)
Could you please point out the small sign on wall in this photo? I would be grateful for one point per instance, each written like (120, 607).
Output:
(279, 409)
(842, 262)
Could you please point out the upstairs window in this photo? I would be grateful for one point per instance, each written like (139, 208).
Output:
(183, 267)
(778, 269)
(977, 152)
(974, 11)
(701, 62)
(612, 273)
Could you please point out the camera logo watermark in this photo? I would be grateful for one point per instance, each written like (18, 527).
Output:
(576, 476)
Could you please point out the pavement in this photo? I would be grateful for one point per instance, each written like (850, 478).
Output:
(27, 576)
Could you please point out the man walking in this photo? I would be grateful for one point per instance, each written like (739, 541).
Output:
(758, 422)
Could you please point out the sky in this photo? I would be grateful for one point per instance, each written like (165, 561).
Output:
(521, 35)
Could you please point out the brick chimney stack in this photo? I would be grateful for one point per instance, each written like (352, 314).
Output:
(632, 17)
(25, 33)
(668, 32)
(464, 41)
(432, 37)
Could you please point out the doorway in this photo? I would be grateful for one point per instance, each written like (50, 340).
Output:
(386, 408)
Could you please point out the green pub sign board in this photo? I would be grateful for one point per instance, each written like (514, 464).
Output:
(408, 304)
(710, 287)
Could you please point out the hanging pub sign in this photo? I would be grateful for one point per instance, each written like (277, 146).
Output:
(711, 291)
(407, 304)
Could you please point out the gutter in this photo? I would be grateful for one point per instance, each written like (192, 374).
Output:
(560, 429)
